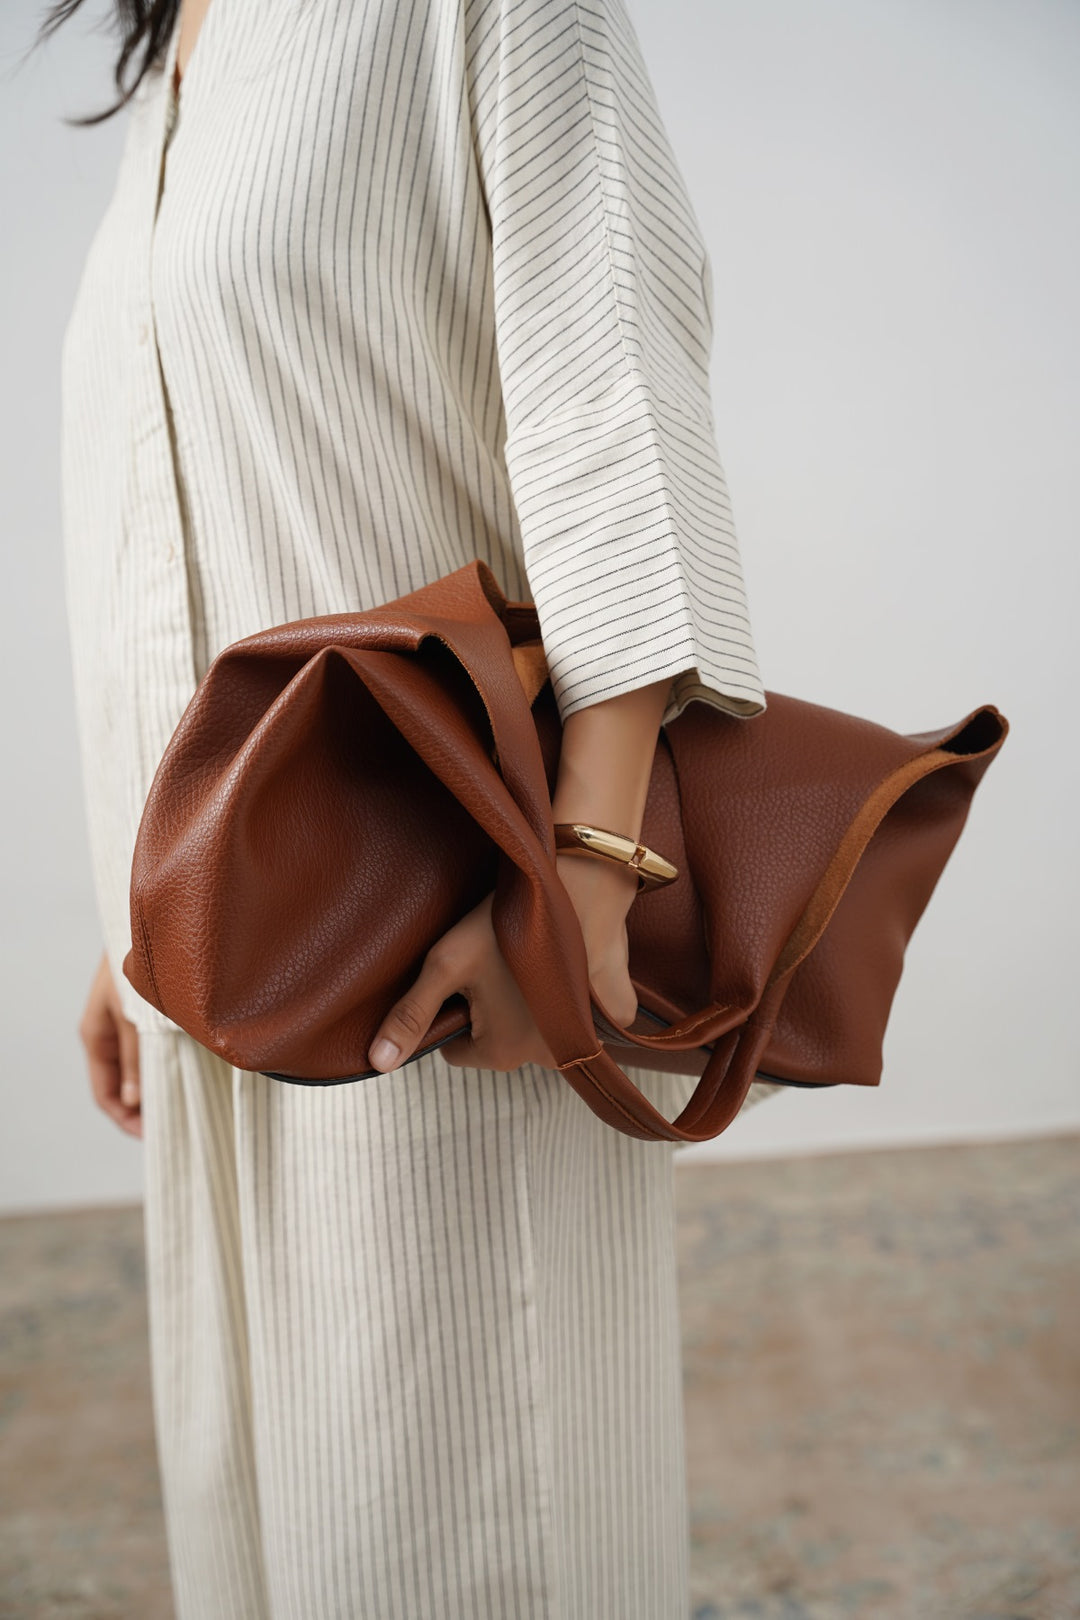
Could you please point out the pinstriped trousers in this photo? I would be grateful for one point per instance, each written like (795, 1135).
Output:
(415, 1345)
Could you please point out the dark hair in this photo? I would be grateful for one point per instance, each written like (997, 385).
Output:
(138, 22)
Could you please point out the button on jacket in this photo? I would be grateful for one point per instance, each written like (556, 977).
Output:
(391, 286)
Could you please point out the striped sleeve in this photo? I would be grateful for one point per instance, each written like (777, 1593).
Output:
(603, 315)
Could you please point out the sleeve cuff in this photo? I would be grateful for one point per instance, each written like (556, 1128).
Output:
(693, 686)
(631, 554)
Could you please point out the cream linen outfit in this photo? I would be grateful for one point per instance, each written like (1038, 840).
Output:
(394, 285)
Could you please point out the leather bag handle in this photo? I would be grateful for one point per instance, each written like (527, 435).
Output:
(532, 912)
(740, 1034)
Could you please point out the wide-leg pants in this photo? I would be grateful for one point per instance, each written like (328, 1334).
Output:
(415, 1345)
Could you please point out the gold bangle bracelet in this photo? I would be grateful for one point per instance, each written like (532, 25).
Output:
(579, 837)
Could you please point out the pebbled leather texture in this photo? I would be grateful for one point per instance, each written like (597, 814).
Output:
(341, 789)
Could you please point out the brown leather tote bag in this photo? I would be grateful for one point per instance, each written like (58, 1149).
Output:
(342, 789)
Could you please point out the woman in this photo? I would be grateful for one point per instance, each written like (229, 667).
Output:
(382, 288)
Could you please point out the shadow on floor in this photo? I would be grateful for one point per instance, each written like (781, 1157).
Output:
(882, 1365)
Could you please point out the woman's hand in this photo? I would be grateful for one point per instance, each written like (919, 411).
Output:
(112, 1052)
(605, 760)
(467, 958)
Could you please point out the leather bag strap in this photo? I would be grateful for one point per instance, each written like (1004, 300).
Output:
(535, 922)
(740, 1034)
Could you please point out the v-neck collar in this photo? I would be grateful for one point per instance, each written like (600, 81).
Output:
(174, 98)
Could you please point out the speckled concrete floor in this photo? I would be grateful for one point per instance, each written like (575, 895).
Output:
(882, 1377)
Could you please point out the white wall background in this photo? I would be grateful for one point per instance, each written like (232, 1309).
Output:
(889, 191)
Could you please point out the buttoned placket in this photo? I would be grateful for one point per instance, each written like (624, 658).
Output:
(159, 547)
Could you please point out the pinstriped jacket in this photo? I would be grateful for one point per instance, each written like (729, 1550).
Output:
(387, 287)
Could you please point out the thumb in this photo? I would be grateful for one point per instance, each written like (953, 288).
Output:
(613, 989)
(409, 1019)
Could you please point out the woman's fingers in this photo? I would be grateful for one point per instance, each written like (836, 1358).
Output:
(466, 959)
(103, 1056)
(102, 1048)
(130, 1081)
(514, 1041)
(502, 1034)
(111, 1045)
(401, 1031)
(611, 983)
